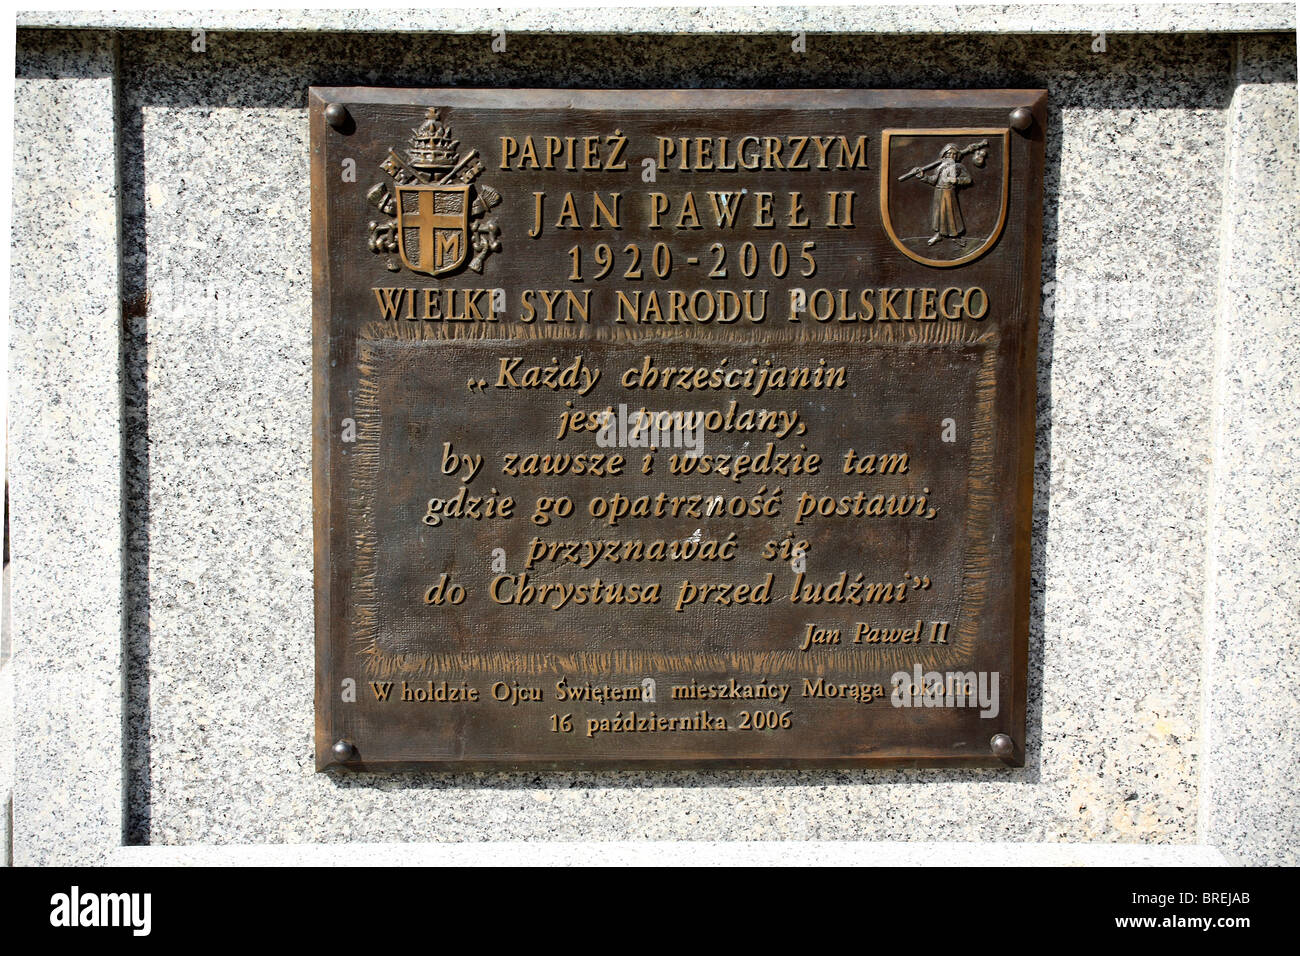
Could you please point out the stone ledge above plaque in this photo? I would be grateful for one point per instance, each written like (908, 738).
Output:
(673, 429)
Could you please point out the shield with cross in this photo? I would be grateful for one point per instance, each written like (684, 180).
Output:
(432, 226)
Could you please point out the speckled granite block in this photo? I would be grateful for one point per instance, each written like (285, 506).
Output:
(658, 853)
(216, 285)
(6, 727)
(947, 18)
(65, 463)
(6, 762)
(1252, 789)
(219, 455)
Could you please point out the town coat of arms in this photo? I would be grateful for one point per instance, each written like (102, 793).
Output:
(944, 192)
(437, 216)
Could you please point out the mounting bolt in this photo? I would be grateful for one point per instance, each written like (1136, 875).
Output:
(336, 114)
(1021, 119)
(343, 750)
(1001, 745)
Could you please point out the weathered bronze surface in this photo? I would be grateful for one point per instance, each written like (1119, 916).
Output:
(673, 428)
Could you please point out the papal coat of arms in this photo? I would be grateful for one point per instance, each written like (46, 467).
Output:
(437, 216)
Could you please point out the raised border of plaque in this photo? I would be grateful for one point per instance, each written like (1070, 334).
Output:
(432, 260)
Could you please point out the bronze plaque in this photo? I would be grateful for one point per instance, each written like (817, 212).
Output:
(673, 429)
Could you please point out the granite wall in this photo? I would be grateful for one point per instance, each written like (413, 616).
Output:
(167, 190)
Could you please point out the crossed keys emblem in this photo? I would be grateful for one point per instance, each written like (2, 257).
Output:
(437, 214)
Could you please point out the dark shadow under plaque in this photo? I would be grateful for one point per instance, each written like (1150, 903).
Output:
(673, 428)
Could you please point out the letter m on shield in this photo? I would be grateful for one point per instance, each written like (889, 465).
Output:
(433, 227)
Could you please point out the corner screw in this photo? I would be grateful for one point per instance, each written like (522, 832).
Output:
(1002, 746)
(336, 114)
(1021, 119)
(343, 750)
